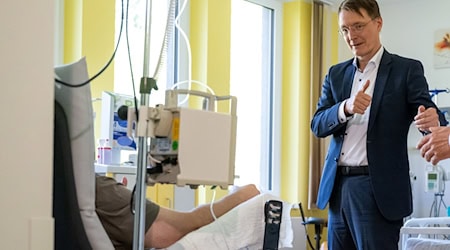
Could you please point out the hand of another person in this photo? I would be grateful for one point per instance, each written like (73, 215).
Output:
(434, 147)
(358, 103)
(426, 118)
(124, 181)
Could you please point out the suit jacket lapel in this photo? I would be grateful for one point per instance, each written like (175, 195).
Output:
(380, 83)
(348, 81)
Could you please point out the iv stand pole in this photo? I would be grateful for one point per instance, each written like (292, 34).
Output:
(146, 86)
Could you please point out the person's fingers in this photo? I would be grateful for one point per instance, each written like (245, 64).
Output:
(425, 149)
(124, 181)
(434, 160)
(421, 109)
(422, 142)
(433, 129)
(427, 156)
(366, 85)
(423, 152)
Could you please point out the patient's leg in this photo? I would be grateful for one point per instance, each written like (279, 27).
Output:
(170, 225)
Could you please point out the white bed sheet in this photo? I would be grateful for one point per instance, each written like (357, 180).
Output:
(241, 228)
(427, 244)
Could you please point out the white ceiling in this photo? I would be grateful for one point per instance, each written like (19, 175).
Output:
(380, 2)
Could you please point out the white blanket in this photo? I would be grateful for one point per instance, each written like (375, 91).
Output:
(241, 228)
(427, 244)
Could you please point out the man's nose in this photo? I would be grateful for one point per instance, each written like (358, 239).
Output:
(351, 34)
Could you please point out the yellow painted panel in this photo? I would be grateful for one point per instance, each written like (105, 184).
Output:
(165, 195)
(72, 30)
(151, 193)
(89, 28)
(98, 47)
(295, 91)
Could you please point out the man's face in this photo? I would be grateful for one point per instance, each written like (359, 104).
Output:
(361, 33)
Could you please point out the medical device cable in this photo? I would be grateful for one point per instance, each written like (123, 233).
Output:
(134, 91)
(215, 218)
(168, 30)
(153, 159)
(211, 204)
(77, 85)
(306, 229)
(194, 81)
(129, 62)
(189, 53)
(186, 40)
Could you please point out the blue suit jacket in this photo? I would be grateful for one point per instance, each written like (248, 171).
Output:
(400, 88)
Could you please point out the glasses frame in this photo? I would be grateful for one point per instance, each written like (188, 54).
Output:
(355, 28)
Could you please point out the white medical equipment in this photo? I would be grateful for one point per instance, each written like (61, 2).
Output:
(434, 181)
(188, 146)
(435, 178)
(113, 128)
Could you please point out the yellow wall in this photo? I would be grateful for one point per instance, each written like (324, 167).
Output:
(295, 92)
(210, 25)
(89, 28)
(296, 100)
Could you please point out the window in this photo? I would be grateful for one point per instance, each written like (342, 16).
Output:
(136, 38)
(253, 81)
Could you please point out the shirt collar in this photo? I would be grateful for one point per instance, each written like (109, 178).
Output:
(375, 60)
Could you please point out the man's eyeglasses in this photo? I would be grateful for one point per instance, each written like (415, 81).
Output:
(355, 28)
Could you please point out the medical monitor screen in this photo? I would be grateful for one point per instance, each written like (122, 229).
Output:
(113, 127)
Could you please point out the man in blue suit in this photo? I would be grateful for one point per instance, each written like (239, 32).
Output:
(367, 106)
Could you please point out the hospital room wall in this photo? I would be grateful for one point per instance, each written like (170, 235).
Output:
(419, 23)
(89, 30)
(27, 98)
(409, 30)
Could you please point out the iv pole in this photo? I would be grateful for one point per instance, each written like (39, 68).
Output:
(146, 86)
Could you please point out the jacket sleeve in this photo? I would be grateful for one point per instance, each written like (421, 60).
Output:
(418, 91)
(326, 118)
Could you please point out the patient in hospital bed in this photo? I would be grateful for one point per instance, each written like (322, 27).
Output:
(171, 229)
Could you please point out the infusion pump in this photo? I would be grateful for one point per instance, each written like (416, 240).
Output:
(434, 179)
(188, 146)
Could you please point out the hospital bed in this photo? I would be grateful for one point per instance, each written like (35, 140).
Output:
(77, 225)
(431, 233)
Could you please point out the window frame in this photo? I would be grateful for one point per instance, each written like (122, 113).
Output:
(270, 174)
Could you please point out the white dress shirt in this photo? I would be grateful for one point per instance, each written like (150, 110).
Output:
(354, 148)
